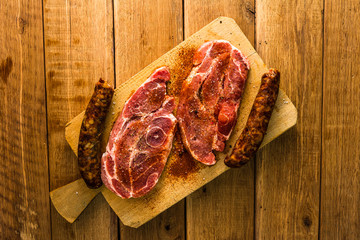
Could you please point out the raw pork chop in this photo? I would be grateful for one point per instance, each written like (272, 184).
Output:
(210, 98)
(140, 140)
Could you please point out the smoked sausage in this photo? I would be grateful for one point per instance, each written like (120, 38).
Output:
(257, 123)
(89, 153)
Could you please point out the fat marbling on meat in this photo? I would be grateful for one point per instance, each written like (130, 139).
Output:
(210, 98)
(140, 140)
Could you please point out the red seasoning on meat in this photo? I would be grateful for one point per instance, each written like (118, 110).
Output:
(89, 154)
(140, 140)
(210, 98)
(257, 123)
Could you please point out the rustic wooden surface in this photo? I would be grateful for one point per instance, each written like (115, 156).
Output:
(340, 176)
(305, 185)
(24, 180)
(288, 169)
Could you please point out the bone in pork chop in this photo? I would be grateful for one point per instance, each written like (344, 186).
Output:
(210, 98)
(140, 140)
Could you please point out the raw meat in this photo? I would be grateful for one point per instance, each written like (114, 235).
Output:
(140, 140)
(210, 98)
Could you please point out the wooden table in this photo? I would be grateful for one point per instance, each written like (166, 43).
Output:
(304, 185)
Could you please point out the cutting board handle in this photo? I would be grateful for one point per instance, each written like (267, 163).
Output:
(71, 199)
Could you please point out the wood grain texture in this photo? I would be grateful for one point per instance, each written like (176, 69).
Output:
(145, 30)
(24, 182)
(168, 225)
(78, 51)
(229, 199)
(340, 182)
(289, 37)
(71, 200)
(170, 189)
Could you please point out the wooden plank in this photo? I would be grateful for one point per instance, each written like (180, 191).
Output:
(171, 188)
(229, 199)
(289, 37)
(144, 30)
(168, 225)
(78, 51)
(24, 182)
(340, 179)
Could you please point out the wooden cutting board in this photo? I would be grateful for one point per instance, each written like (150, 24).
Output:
(180, 177)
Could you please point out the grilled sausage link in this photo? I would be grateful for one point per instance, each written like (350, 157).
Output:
(89, 154)
(257, 123)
